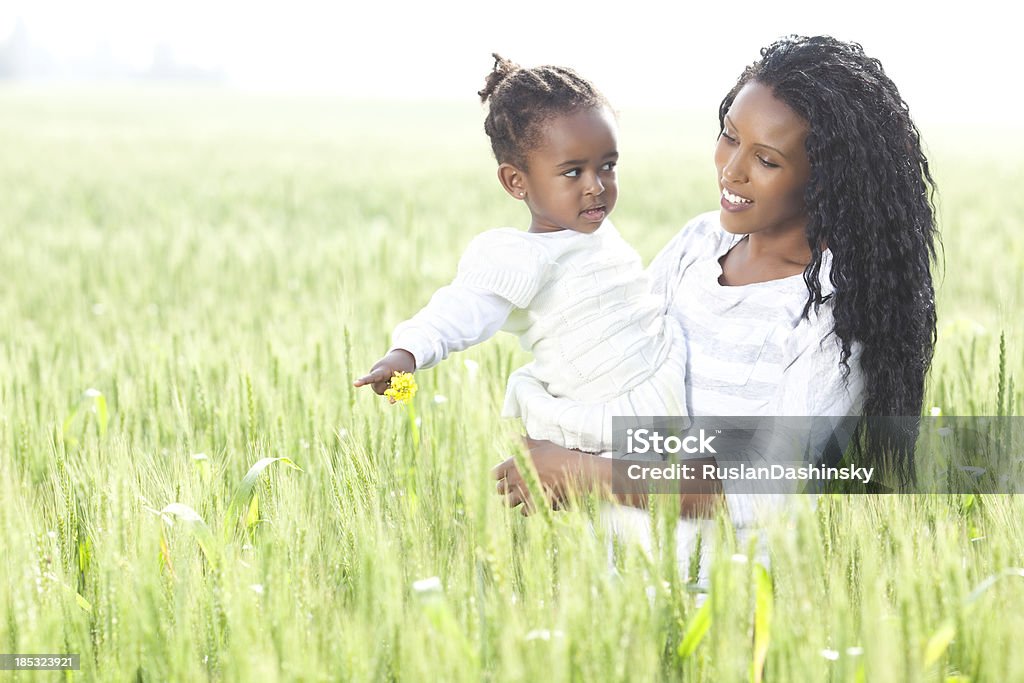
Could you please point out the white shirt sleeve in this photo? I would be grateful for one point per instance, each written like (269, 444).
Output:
(456, 318)
(698, 239)
(501, 269)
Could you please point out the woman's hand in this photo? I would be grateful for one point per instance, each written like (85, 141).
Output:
(559, 470)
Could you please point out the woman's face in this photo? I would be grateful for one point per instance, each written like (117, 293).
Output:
(762, 165)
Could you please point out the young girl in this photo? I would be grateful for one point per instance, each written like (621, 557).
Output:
(570, 287)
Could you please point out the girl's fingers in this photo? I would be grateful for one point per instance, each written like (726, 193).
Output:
(378, 379)
(374, 376)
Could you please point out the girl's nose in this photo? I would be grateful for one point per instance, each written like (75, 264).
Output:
(595, 186)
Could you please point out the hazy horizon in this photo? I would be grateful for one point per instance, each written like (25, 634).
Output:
(640, 54)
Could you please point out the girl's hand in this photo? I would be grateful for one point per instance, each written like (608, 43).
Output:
(380, 374)
(558, 469)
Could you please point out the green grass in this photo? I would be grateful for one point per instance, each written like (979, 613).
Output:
(219, 267)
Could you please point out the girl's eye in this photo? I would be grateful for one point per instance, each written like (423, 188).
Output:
(572, 173)
(610, 166)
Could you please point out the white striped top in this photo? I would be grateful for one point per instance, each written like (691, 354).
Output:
(749, 351)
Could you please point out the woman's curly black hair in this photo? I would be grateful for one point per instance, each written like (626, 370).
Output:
(870, 201)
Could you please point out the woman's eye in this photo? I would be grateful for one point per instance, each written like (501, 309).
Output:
(766, 163)
(728, 137)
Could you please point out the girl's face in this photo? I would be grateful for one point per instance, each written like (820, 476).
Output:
(762, 164)
(570, 184)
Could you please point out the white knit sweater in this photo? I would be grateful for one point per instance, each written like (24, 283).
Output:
(582, 305)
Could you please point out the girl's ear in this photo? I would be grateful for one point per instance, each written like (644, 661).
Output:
(513, 180)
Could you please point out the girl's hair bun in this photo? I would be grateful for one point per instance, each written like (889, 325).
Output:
(502, 69)
(520, 100)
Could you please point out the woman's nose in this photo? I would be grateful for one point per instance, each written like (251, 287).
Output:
(732, 172)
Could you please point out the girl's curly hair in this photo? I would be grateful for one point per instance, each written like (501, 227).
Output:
(521, 100)
(870, 201)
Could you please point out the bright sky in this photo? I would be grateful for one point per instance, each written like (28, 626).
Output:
(949, 65)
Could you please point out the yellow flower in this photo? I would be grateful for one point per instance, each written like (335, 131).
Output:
(403, 387)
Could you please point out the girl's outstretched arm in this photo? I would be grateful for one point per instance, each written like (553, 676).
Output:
(456, 318)
(562, 470)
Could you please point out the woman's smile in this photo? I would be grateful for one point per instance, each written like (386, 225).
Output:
(734, 202)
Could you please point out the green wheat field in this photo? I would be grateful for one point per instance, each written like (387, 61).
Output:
(191, 489)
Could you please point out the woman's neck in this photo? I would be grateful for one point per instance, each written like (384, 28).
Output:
(762, 258)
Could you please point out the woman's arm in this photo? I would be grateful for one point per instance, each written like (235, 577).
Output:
(561, 470)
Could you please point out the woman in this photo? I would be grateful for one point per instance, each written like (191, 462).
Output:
(809, 293)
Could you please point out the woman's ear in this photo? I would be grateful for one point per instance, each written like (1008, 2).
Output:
(513, 180)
